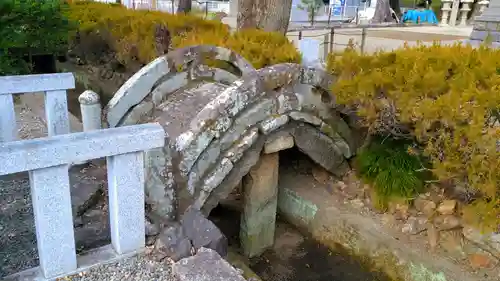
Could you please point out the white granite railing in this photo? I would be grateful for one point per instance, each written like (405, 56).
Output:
(56, 105)
(47, 160)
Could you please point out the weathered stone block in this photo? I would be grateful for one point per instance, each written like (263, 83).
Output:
(281, 142)
(249, 159)
(173, 243)
(320, 148)
(206, 265)
(202, 232)
(258, 219)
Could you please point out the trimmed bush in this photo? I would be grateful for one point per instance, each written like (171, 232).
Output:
(447, 97)
(131, 34)
(31, 27)
(259, 47)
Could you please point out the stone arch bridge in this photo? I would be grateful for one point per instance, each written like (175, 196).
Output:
(219, 119)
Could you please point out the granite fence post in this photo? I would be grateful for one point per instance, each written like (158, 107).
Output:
(90, 107)
(126, 201)
(47, 161)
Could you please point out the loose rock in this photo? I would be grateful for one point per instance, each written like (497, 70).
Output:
(478, 261)
(388, 219)
(206, 265)
(320, 175)
(399, 210)
(203, 233)
(172, 243)
(152, 229)
(447, 222)
(447, 207)
(427, 207)
(414, 225)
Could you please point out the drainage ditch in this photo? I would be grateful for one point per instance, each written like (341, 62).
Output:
(295, 256)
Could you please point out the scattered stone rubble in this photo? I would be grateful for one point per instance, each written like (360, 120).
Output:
(194, 232)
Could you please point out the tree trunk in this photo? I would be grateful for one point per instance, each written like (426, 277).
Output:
(395, 7)
(268, 15)
(246, 14)
(382, 12)
(184, 6)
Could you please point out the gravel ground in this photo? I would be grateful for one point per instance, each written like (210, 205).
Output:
(17, 232)
(138, 268)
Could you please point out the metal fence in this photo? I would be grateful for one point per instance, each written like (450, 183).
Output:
(356, 33)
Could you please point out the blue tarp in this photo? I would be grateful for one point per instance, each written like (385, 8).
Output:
(426, 16)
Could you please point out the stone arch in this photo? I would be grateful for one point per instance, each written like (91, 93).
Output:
(215, 132)
(167, 74)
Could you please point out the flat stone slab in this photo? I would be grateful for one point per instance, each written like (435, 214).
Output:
(206, 265)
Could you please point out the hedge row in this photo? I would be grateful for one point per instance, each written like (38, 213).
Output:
(30, 28)
(446, 98)
(130, 33)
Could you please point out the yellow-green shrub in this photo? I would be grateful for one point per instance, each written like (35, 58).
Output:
(447, 97)
(127, 29)
(131, 33)
(259, 47)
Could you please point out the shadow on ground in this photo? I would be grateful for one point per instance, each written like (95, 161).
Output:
(296, 257)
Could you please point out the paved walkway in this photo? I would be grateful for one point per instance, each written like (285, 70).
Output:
(387, 38)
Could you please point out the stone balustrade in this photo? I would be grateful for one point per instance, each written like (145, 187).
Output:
(464, 11)
(47, 160)
(54, 87)
(450, 11)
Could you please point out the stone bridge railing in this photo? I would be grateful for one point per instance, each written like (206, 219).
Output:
(48, 159)
(54, 87)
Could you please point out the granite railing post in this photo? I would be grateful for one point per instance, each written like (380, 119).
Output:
(126, 201)
(56, 105)
(47, 161)
(90, 107)
(445, 10)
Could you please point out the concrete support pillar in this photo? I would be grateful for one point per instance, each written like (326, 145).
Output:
(258, 220)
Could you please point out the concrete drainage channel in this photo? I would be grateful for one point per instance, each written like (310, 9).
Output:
(321, 236)
(295, 255)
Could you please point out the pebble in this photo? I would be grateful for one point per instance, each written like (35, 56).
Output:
(447, 222)
(425, 206)
(478, 261)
